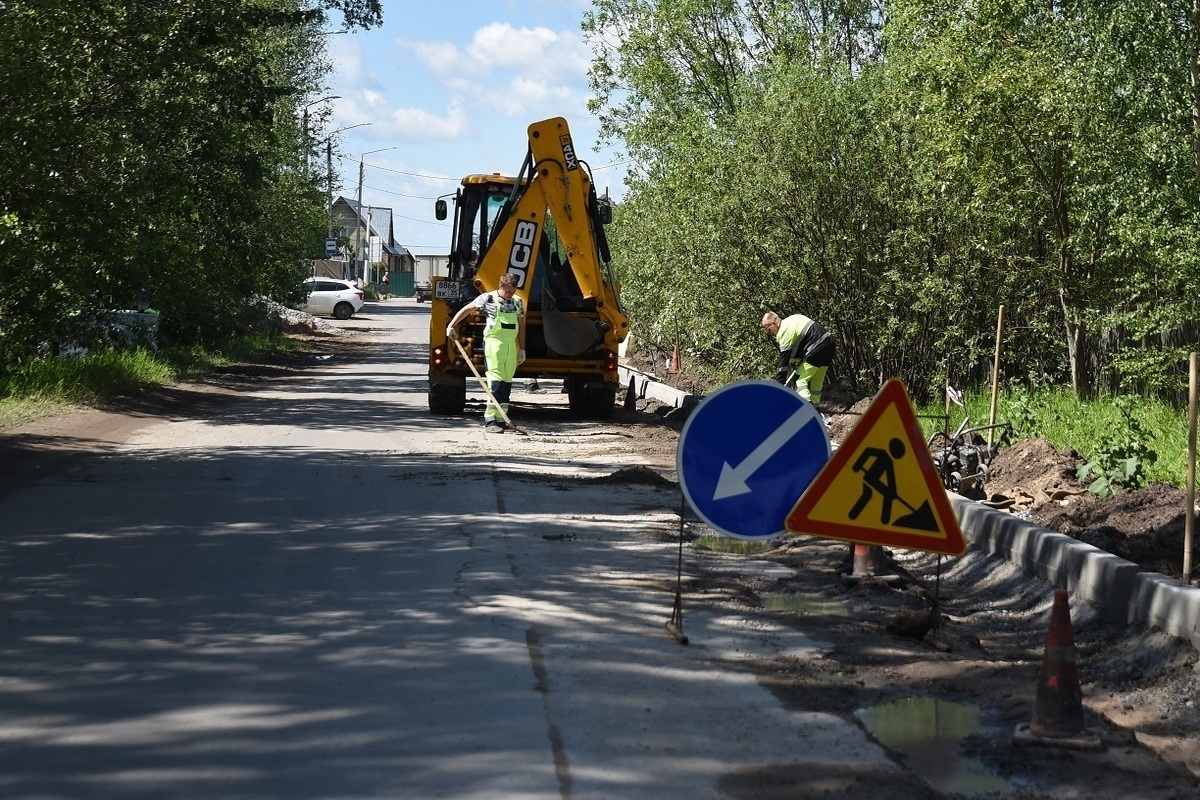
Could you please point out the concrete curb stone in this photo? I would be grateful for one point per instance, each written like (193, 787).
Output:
(1126, 595)
(1123, 593)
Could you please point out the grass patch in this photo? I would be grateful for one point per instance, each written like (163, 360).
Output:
(1100, 430)
(50, 385)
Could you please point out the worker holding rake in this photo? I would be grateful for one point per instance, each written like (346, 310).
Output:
(503, 345)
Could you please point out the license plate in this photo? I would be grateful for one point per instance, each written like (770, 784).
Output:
(449, 290)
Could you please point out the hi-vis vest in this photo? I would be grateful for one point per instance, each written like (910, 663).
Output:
(504, 324)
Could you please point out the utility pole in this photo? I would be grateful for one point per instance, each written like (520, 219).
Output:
(305, 143)
(329, 174)
(358, 222)
(362, 271)
(329, 184)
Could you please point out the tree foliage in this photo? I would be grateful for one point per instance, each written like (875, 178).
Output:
(153, 154)
(900, 172)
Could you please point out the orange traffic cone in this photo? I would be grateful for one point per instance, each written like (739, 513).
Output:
(868, 559)
(1058, 706)
(674, 365)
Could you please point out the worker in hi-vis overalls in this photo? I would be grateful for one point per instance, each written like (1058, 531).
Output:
(805, 353)
(503, 344)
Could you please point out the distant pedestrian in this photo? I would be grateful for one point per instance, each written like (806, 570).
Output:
(385, 285)
(805, 353)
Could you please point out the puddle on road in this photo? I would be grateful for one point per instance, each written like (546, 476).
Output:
(727, 544)
(808, 603)
(928, 731)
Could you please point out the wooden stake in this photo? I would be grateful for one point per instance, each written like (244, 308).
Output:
(995, 376)
(1189, 515)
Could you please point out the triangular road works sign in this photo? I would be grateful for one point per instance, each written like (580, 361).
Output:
(881, 485)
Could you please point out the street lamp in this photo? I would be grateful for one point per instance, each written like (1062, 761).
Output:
(357, 228)
(305, 128)
(329, 171)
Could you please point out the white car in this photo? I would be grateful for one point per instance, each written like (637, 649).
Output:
(338, 298)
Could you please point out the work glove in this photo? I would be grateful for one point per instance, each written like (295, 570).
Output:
(451, 332)
(520, 357)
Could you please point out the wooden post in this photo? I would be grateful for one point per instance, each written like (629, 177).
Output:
(1189, 516)
(995, 375)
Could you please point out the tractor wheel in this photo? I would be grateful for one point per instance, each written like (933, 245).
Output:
(447, 399)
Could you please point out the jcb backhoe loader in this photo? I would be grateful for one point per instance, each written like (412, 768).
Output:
(574, 319)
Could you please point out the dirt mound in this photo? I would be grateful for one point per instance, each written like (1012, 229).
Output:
(842, 416)
(1144, 525)
(1034, 468)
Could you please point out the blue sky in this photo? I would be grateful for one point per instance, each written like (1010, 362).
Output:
(452, 87)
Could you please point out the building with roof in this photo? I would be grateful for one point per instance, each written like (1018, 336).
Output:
(368, 248)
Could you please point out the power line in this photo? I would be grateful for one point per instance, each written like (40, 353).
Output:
(425, 176)
(402, 172)
(400, 194)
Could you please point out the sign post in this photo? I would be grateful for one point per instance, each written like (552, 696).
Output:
(747, 453)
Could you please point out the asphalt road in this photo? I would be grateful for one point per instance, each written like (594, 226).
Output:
(319, 590)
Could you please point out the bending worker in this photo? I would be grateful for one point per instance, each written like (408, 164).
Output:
(805, 352)
(503, 344)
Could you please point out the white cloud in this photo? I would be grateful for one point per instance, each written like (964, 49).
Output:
(440, 58)
(418, 123)
(499, 47)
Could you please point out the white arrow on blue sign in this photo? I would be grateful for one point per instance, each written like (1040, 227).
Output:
(747, 453)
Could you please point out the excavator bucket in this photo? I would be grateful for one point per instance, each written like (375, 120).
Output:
(567, 335)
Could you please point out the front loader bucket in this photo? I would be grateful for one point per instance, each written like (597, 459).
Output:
(567, 335)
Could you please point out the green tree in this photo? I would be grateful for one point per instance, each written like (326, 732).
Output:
(900, 172)
(155, 152)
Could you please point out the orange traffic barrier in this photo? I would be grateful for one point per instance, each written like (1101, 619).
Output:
(1058, 705)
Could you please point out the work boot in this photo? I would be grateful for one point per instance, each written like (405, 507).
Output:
(491, 426)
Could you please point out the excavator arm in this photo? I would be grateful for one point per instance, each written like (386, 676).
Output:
(558, 186)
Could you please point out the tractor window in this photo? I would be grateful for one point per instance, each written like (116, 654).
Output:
(490, 216)
(480, 211)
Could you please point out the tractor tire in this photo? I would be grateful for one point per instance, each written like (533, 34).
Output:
(447, 399)
(585, 402)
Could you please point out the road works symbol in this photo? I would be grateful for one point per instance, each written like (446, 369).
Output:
(746, 453)
(881, 486)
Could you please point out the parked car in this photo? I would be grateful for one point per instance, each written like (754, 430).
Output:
(424, 292)
(339, 298)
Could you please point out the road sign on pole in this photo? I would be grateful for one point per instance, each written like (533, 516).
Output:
(746, 455)
(331, 247)
(881, 486)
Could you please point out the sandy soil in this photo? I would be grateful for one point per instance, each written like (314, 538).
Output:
(981, 644)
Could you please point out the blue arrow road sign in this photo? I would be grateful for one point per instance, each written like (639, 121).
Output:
(747, 453)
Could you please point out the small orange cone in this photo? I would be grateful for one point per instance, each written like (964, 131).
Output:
(674, 365)
(868, 559)
(1058, 706)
